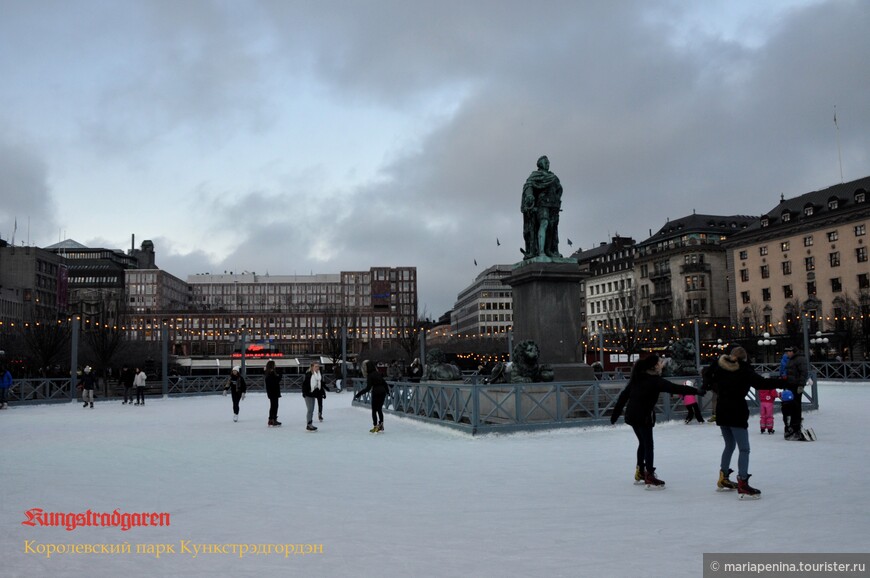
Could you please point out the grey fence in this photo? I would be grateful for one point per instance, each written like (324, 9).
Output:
(56, 390)
(479, 408)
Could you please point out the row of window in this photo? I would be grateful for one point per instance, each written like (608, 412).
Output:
(610, 287)
(788, 292)
(490, 306)
(496, 317)
(604, 306)
(809, 208)
(784, 246)
(809, 264)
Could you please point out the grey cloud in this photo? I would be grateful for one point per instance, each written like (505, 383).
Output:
(25, 197)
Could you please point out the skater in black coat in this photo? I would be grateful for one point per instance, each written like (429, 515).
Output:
(237, 387)
(273, 392)
(795, 380)
(313, 388)
(642, 393)
(732, 376)
(379, 388)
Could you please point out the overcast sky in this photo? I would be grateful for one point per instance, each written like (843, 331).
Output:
(296, 137)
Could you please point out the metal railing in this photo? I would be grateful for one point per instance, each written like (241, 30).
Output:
(479, 408)
(828, 370)
(56, 390)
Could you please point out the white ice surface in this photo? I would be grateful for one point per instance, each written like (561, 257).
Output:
(419, 500)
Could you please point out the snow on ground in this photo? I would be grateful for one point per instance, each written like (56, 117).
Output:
(419, 500)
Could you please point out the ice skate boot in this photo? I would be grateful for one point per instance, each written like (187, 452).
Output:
(745, 491)
(724, 484)
(651, 481)
(374, 429)
(638, 476)
(310, 428)
(380, 428)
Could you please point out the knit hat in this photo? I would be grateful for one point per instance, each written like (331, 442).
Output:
(237, 369)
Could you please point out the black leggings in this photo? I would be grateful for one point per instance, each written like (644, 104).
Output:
(694, 411)
(236, 399)
(645, 446)
(140, 395)
(378, 407)
(273, 408)
(319, 407)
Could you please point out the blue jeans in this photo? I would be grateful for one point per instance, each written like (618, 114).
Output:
(738, 436)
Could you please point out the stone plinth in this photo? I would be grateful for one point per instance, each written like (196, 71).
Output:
(547, 310)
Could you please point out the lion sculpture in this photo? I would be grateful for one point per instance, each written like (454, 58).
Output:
(437, 368)
(525, 367)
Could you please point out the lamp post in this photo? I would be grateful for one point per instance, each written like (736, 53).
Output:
(765, 343)
(822, 342)
(600, 336)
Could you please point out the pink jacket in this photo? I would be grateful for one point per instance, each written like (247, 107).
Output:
(767, 395)
(689, 399)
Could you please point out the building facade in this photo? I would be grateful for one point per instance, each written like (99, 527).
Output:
(295, 314)
(96, 281)
(806, 256)
(486, 306)
(33, 283)
(610, 299)
(681, 273)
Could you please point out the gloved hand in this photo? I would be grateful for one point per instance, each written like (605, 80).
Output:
(243, 395)
(800, 390)
(613, 419)
(225, 392)
(702, 392)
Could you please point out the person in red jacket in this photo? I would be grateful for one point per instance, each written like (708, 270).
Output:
(765, 401)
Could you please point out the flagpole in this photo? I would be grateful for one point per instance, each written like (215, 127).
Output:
(839, 153)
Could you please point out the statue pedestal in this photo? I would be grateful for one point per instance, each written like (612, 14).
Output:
(547, 310)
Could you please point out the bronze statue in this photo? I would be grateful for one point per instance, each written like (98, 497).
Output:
(540, 205)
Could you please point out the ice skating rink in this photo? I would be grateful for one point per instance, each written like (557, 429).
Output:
(418, 500)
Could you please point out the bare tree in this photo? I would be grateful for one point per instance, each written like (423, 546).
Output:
(46, 342)
(848, 322)
(625, 322)
(791, 318)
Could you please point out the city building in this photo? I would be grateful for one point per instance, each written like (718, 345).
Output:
(484, 307)
(807, 255)
(681, 274)
(32, 284)
(609, 290)
(95, 280)
(291, 314)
